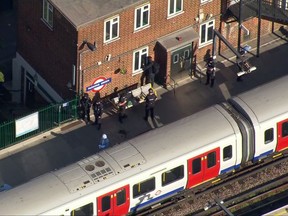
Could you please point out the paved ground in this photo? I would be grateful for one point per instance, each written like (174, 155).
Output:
(62, 146)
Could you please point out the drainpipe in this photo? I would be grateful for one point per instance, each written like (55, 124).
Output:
(239, 27)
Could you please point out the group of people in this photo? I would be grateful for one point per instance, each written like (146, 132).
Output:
(85, 107)
(149, 106)
(97, 106)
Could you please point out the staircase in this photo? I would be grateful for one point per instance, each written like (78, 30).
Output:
(273, 10)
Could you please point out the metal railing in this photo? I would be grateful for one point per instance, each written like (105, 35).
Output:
(172, 85)
(48, 118)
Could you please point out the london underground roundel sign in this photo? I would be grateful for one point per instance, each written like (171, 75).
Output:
(98, 84)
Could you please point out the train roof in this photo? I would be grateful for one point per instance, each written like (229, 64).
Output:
(119, 162)
(266, 101)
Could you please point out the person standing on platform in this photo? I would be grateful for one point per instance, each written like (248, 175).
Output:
(98, 111)
(85, 105)
(122, 108)
(210, 67)
(150, 104)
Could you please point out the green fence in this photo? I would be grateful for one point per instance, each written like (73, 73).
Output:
(37, 122)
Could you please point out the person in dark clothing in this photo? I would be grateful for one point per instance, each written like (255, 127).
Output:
(122, 108)
(85, 105)
(150, 69)
(210, 72)
(98, 111)
(150, 104)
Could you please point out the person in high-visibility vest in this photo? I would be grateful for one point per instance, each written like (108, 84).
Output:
(2, 79)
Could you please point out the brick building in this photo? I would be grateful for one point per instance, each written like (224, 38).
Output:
(67, 47)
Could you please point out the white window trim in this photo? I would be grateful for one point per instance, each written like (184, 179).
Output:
(142, 10)
(111, 28)
(49, 9)
(200, 32)
(205, 1)
(135, 72)
(174, 13)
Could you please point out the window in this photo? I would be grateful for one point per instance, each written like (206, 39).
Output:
(175, 58)
(172, 175)
(139, 57)
(111, 29)
(227, 153)
(143, 187)
(206, 32)
(211, 159)
(83, 210)
(204, 1)
(186, 54)
(121, 197)
(106, 203)
(196, 166)
(269, 137)
(285, 129)
(48, 13)
(142, 16)
(174, 7)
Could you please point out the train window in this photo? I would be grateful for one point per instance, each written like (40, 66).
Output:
(285, 129)
(227, 153)
(83, 210)
(196, 166)
(269, 135)
(143, 187)
(106, 203)
(121, 197)
(172, 175)
(211, 159)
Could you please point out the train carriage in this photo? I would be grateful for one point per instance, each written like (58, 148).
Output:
(157, 165)
(266, 107)
(137, 173)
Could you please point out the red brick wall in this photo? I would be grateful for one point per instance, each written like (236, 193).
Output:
(53, 52)
(50, 52)
(122, 49)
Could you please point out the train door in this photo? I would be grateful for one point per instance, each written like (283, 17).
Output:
(203, 167)
(282, 128)
(114, 203)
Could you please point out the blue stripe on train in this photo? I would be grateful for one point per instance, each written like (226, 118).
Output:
(265, 154)
(229, 169)
(149, 202)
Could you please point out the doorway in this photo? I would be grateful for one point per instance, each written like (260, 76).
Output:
(181, 62)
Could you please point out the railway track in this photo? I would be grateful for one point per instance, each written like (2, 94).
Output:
(240, 190)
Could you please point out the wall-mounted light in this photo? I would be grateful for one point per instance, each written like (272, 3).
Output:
(91, 46)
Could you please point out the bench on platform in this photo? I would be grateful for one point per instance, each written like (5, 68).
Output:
(134, 97)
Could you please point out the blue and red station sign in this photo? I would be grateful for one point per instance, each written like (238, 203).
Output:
(98, 84)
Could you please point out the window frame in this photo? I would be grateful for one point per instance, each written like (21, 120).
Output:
(204, 1)
(179, 171)
(211, 159)
(208, 25)
(47, 13)
(268, 138)
(112, 22)
(227, 155)
(142, 10)
(87, 208)
(196, 168)
(151, 182)
(144, 51)
(175, 12)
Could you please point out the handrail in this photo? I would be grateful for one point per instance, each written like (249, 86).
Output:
(174, 83)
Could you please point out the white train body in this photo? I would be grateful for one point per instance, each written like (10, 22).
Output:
(159, 164)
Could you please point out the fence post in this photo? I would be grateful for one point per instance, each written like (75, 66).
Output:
(59, 114)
